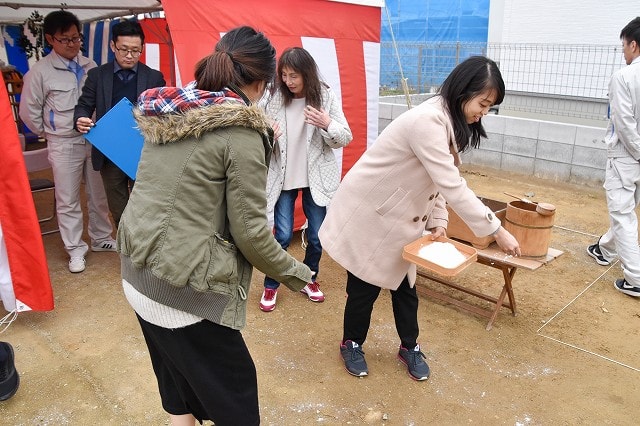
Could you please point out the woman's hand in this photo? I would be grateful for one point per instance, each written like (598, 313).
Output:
(277, 132)
(319, 118)
(507, 242)
(437, 232)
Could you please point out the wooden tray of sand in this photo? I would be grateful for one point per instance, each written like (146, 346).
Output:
(442, 256)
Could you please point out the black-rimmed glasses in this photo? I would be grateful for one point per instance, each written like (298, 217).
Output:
(67, 40)
(133, 52)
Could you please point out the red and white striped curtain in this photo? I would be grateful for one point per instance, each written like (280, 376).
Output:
(343, 37)
(158, 51)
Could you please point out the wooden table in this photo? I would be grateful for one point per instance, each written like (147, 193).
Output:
(494, 257)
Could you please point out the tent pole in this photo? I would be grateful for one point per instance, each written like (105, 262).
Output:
(172, 61)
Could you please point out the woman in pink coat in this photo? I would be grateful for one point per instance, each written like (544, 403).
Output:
(396, 189)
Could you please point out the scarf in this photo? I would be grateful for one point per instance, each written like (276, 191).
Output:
(171, 100)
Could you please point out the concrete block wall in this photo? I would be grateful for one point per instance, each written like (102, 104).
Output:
(549, 150)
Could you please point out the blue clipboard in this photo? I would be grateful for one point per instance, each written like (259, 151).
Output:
(116, 135)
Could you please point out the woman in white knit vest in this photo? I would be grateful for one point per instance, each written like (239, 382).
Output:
(309, 124)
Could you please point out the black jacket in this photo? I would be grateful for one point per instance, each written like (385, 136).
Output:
(97, 94)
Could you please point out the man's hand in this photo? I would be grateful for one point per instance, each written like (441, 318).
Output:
(84, 124)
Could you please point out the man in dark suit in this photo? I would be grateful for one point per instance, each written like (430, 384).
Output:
(105, 86)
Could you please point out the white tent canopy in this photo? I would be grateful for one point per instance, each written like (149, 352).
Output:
(85, 10)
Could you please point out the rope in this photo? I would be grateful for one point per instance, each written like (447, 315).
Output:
(7, 320)
(538, 332)
(403, 80)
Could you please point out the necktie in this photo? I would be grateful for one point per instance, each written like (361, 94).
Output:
(125, 75)
(76, 69)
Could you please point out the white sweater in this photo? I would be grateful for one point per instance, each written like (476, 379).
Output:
(157, 313)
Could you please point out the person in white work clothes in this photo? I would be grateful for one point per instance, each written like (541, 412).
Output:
(50, 92)
(622, 174)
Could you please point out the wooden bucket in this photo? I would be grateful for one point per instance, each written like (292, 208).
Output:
(530, 228)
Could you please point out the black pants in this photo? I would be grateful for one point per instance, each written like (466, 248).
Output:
(360, 299)
(204, 369)
(117, 186)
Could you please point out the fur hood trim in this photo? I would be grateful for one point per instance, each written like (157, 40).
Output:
(173, 127)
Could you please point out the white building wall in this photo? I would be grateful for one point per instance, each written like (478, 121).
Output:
(559, 21)
(561, 152)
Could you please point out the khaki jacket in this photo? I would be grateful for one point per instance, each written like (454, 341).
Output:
(396, 189)
(195, 223)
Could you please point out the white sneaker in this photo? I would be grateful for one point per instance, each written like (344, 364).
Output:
(268, 299)
(313, 291)
(106, 245)
(77, 264)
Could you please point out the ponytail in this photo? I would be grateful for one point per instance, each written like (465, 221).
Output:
(214, 72)
(241, 57)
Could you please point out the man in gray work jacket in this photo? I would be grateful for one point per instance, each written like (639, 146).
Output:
(51, 90)
(622, 178)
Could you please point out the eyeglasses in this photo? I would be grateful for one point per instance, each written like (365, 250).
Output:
(124, 52)
(67, 41)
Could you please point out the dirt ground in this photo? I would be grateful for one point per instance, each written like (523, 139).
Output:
(571, 356)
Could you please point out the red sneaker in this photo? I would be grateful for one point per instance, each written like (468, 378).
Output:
(313, 291)
(268, 300)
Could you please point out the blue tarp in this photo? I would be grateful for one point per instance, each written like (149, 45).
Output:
(436, 20)
(419, 27)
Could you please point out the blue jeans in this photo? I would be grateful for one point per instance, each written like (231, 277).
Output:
(283, 222)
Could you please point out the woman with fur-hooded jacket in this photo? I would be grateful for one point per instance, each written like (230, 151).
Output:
(195, 226)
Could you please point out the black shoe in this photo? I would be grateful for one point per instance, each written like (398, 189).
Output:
(623, 286)
(414, 360)
(9, 378)
(353, 357)
(594, 251)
